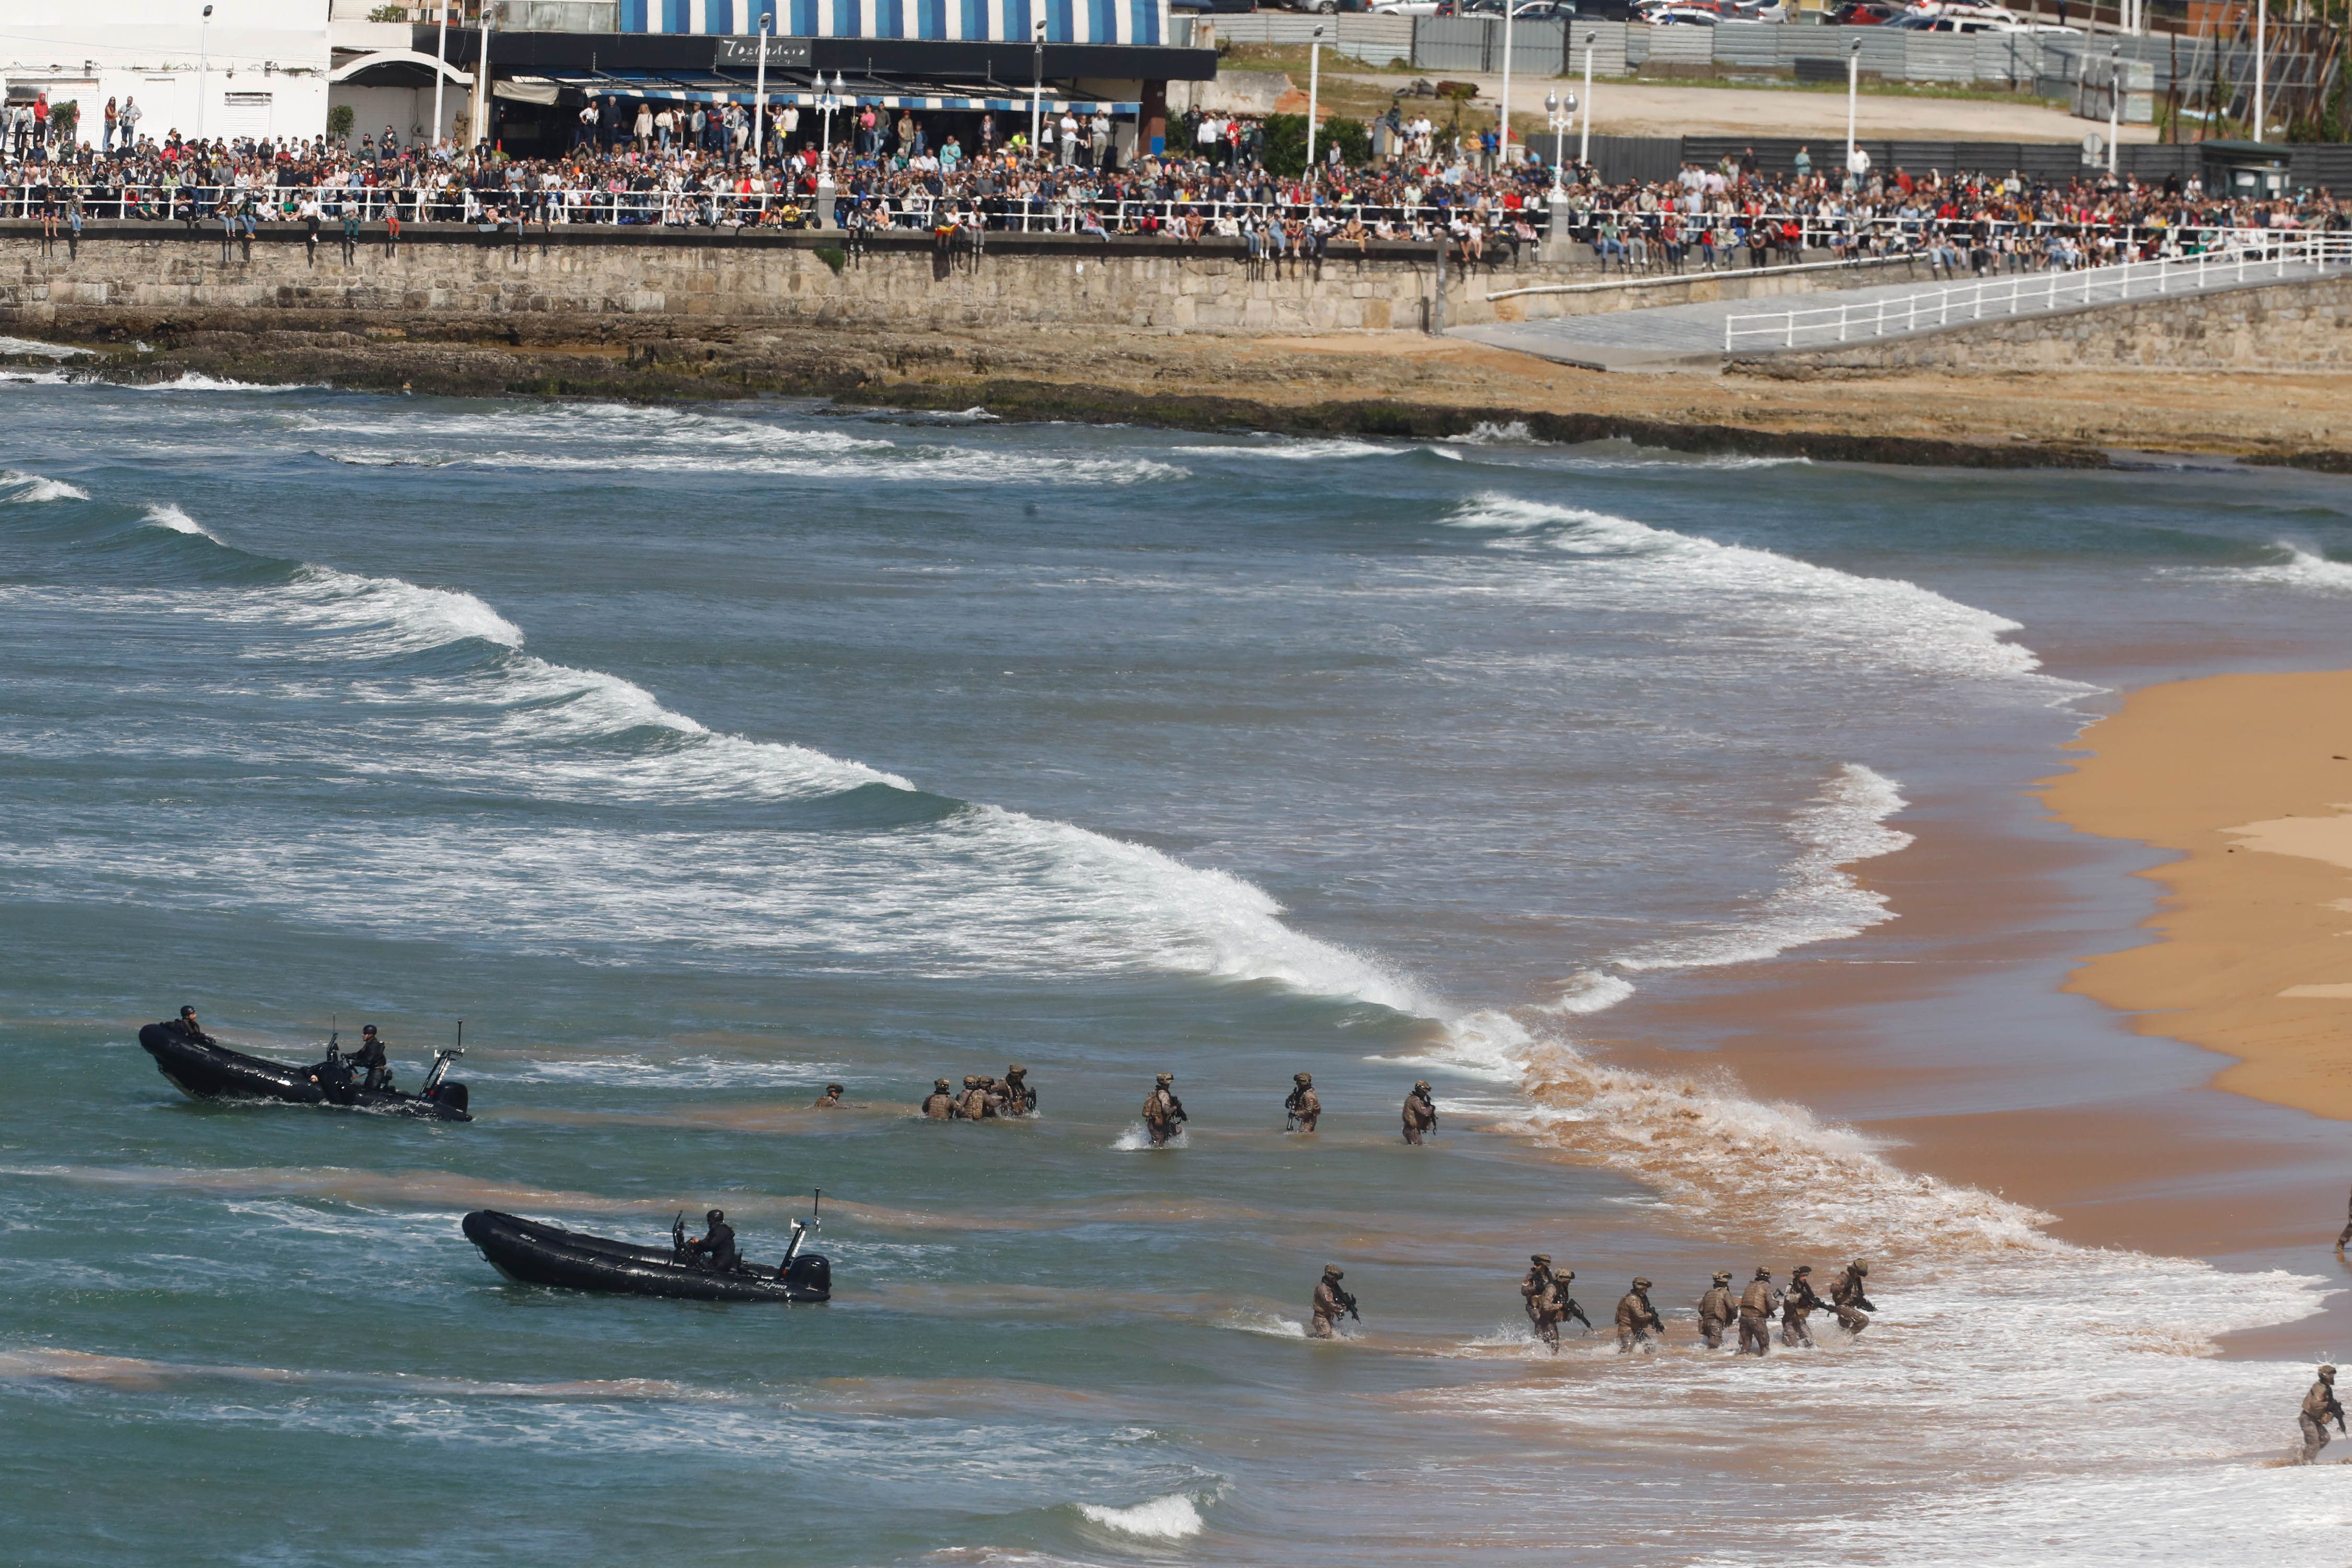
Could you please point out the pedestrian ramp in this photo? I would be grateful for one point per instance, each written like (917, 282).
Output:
(1704, 335)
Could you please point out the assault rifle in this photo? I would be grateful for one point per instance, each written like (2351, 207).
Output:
(1568, 1308)
(1348, 1302)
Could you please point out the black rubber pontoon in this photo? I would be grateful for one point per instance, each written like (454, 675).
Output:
(215, 1072)
(534, 1254)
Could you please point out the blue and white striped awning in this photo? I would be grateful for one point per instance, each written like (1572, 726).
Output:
(713, 89)
(970, 21)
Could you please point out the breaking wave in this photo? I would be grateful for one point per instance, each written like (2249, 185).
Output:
(18, 488)
(1835, 615)
(1176, 1516)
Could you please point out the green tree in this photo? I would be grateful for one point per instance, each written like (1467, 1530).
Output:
(65, 119)
(338, 123)
(1285, 145)
(1353, 139)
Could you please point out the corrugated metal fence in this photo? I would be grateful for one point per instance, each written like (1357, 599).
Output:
(1649, 158)
(1548, 48)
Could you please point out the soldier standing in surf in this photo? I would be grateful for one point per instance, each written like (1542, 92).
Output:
(1756, 1309)
(1637, 1320)
(1796, 1306)
(1330, 1302)
(1420, 1113)
(1546, 1298)
(2319, 1408)
(1302, 1109)
(1163, 1113)
(1716, 1311)
(1847, 1297)
(940, 1106)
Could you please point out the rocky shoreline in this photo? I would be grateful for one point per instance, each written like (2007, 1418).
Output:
(1377, 386)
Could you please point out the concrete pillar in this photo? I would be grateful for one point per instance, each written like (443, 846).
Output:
(1154, 136)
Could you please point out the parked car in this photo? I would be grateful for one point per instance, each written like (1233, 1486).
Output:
(1215, 7)
(1405, 8)
(1863, 14)
(1684, 16)
(1525, 11)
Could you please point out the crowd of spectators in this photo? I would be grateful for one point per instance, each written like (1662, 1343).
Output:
(635, 160)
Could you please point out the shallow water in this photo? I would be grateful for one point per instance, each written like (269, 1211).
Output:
(697, 757)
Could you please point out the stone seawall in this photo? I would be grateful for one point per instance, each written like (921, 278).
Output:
(2278, 327)
(601, 283)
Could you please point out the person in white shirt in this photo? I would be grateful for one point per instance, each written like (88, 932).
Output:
(1069, 130)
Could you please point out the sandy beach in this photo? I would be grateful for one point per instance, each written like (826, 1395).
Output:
(2247, 779)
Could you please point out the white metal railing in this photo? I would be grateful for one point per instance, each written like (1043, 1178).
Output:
(2242, 256)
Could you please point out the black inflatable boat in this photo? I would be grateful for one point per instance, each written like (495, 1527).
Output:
(535, 1254)
(209, 1070)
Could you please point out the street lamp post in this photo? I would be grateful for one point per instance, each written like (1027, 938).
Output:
(1036, 84)
(1314, 82)
(204, 66)
(440, 70)
(1853, 97)
(1503, 106)
(760, 95)
(2262, 101)
(1558, 115)
(2115, 102)
(482, 81)
(1584, 138)
(828, 99)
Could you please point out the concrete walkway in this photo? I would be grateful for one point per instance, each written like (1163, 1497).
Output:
(1691, 337)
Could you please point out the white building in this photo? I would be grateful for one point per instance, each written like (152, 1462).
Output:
(252, 68)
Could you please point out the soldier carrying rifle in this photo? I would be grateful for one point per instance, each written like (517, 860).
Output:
(1330, 1302)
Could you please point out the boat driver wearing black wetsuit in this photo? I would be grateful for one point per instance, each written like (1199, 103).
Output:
(716, 1250)
(187, 1027)
(368, 1058)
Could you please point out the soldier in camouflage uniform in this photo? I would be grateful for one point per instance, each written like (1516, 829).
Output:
(1637, 1320)
(1716, 1311)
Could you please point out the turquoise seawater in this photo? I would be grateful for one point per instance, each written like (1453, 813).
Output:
(697, 757)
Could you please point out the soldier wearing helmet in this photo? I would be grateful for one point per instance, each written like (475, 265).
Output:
(940, 1106)
(1302, 1109)
(1716, 1311)
(1420, 1113)
(1846, 1297)
(1547, 1298)
(1637, 1320)
(2319, 1408)
(1163, 1113)
(1796, 1306)
(716, 1247)
(1329, 1302)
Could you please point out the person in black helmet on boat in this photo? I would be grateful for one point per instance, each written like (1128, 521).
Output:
(370, 1059)
(188, 1029)
(716, 1248)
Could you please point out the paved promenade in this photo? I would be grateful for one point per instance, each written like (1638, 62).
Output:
(1669, 337)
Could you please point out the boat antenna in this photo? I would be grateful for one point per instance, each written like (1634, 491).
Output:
(461, 1035)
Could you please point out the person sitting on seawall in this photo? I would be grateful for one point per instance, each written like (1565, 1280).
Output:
(716, 1249)
(369, 1060)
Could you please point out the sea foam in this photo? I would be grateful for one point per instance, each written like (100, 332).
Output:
(18, 488)
(1826, 615)
(1176, 1516)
